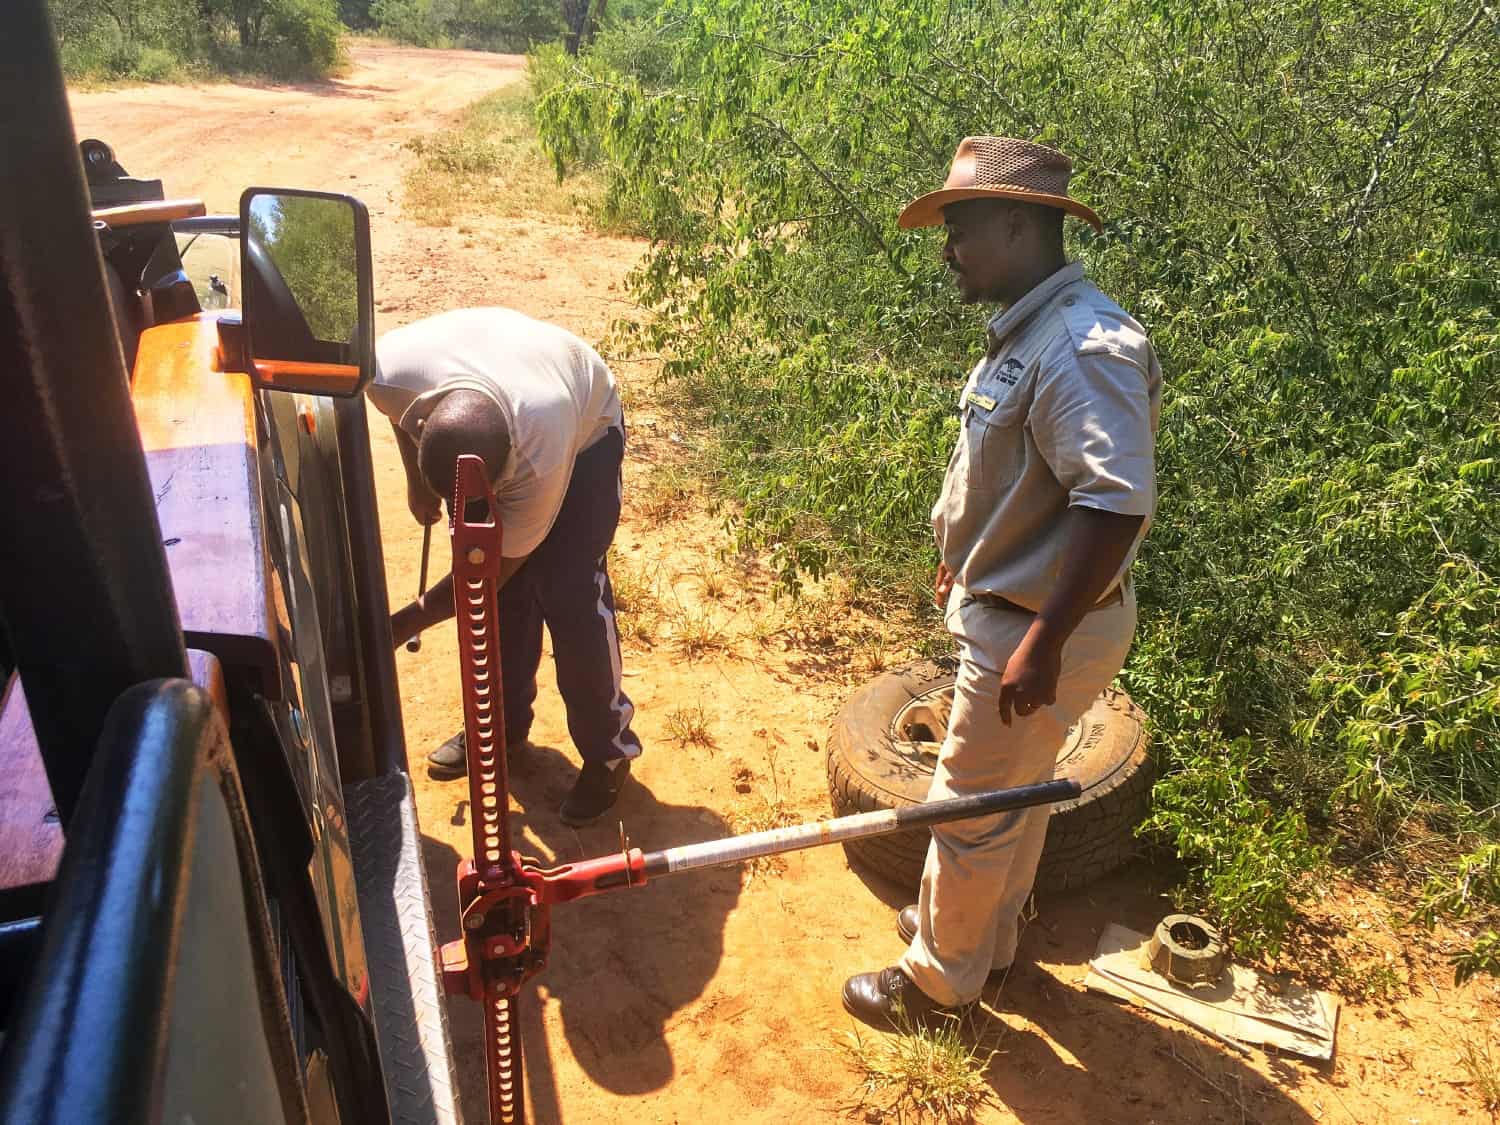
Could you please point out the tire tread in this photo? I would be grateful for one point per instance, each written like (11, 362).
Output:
(1086, 839)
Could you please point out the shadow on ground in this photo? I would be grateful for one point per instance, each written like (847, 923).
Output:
(621, 963)
(1085, 1057)
(1081, 1056)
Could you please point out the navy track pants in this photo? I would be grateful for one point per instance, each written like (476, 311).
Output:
(565, 584)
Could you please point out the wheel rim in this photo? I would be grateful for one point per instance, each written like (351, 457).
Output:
(923, 721)
(921, 724)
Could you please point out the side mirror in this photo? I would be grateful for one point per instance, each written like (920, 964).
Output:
(309, 299)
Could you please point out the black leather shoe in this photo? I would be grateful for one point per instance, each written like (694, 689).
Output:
(906, 923)
(889, 1000)
(450, 760)
(594, 793)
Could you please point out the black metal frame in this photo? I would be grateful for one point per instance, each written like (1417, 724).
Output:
(81, 555)
(89, 1040)
(377, 656)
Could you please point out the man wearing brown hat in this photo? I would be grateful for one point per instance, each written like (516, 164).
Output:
(1047, 497)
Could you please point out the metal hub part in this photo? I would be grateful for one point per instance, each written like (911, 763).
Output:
(1187, 950)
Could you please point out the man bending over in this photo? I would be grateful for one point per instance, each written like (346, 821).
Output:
(540, 407)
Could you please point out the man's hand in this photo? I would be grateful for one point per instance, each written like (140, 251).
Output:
(433, 607)
(407, 623)
(1030, 678)
(1096, 544)
(426, 506)
(943, 586)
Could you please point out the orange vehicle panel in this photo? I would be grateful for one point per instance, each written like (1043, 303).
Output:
(331, 378)
(31, 839)
(205, 670)
(197, 426)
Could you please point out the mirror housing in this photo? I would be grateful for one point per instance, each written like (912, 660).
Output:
(309, 302)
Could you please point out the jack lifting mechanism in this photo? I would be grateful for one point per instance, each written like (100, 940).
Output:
(505, 900)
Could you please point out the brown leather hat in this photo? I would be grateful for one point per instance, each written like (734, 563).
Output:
(1001, 168)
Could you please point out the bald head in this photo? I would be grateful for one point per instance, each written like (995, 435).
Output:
(462, 422)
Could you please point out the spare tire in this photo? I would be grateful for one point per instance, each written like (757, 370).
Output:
(883, 749)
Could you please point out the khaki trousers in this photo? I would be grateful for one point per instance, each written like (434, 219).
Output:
(979, 872)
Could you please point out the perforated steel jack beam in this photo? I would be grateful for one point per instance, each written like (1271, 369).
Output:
(497, 905)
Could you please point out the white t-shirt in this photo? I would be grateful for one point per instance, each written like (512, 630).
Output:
(557, 395)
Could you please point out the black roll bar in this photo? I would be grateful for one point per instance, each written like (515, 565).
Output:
(85, 593)
(88, 1041)
(367, 560)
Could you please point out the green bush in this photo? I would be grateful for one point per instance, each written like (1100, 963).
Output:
(500, 25)
(302, 37)
(418, 22)
(165, 40)
(153, 64)
(1247, 850)
(146, 40)
(1301, 204)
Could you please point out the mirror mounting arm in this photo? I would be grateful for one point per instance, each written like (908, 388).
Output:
(234, 351)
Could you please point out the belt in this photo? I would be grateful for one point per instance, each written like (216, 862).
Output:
(995, 601)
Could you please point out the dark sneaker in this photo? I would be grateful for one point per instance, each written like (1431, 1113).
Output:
(891, 1001)
(594, 793)
(451, 759)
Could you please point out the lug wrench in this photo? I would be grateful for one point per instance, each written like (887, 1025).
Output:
(415, 644)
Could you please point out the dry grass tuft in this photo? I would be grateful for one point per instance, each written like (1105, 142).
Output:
(765, 809)
(935, 1074)
(689, 726)
(1478, 1059)
(668, 492)
(490, 162)
(695, 632)
(637, 591)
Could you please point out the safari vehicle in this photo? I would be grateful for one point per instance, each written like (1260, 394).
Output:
(214, 908)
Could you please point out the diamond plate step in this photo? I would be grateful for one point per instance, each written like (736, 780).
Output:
(411, 1016)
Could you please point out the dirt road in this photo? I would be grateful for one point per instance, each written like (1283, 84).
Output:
(714, 998)
(211, 141)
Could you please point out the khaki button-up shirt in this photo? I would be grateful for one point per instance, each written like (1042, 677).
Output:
(1062, 411)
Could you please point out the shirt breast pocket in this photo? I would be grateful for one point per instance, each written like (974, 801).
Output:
(994, 425)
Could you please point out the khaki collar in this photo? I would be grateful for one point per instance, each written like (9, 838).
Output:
(1005, 322)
